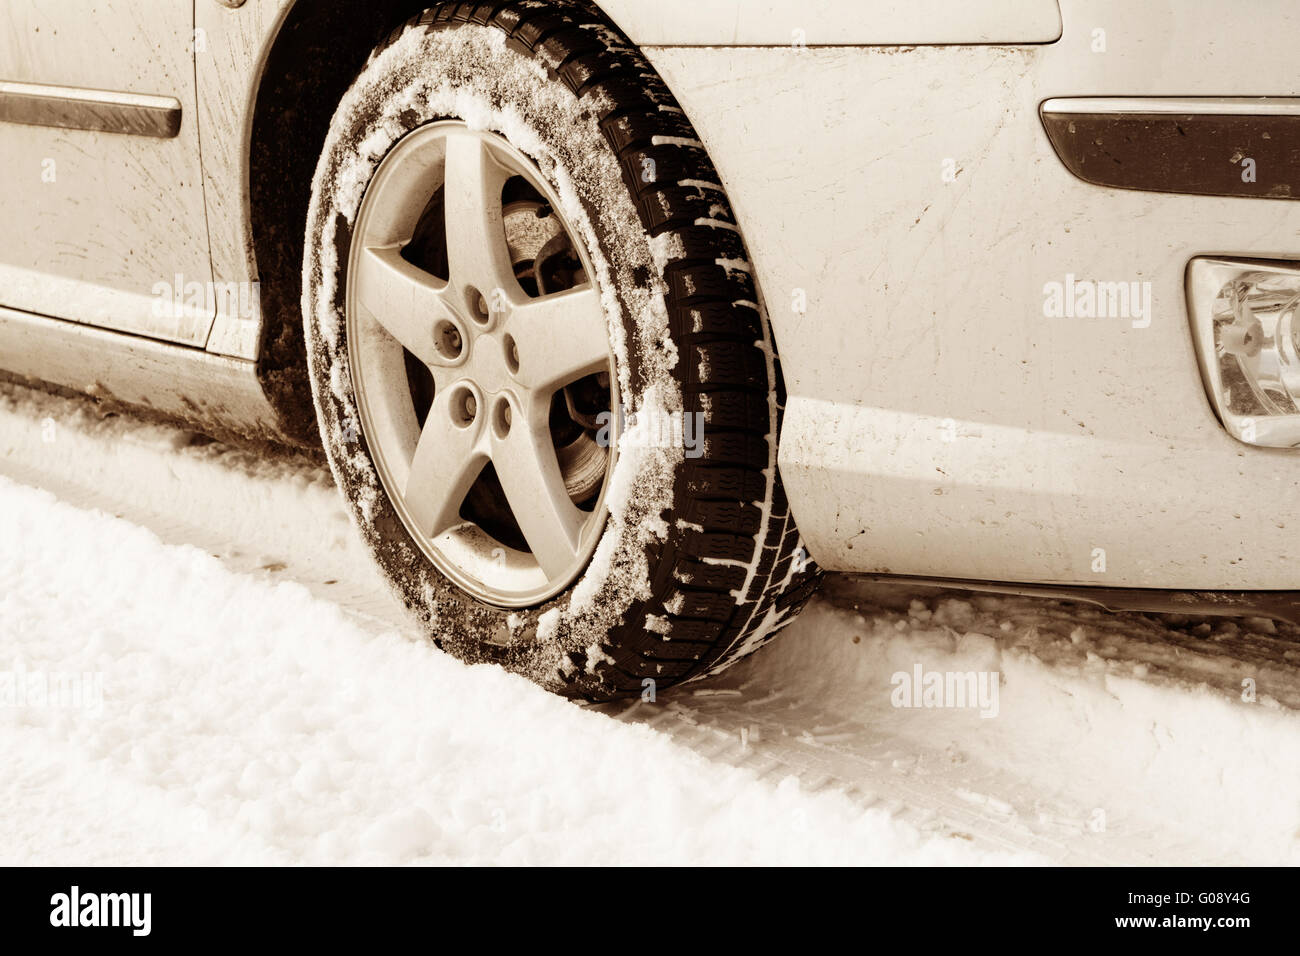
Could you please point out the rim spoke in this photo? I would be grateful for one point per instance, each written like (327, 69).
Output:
(403, 298)
(479, 333)
(560, 338)
(446, 464)
(476, 238)
(529, 471)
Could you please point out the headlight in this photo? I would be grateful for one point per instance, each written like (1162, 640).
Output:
(1248, 338)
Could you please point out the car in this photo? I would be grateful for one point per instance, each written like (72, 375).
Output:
(618, 323)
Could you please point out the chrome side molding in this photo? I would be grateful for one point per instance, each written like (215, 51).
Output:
(70, 107)
(1183, 105)
(1240, 146)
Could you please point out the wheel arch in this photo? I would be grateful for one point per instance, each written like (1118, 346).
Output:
(318, 49)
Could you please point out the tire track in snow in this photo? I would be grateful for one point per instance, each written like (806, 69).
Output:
(802, 708)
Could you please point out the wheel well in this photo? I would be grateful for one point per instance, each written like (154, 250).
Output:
(320, 48)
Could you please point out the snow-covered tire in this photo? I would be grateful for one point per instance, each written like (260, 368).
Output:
(699, 561)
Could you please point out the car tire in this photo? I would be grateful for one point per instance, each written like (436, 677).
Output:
(693, 559)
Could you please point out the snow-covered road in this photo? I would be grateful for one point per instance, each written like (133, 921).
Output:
(229, 681)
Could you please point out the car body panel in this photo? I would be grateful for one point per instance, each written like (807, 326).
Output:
(720, 23)
(219, 394)
(105, 217)
(938, 423)
(904, 211)
(237, 42)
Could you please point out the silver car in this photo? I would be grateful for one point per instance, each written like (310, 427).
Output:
(617, 321)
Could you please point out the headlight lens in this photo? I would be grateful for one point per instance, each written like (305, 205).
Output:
(1248, 338)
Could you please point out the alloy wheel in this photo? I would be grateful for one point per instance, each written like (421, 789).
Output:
(480, 356)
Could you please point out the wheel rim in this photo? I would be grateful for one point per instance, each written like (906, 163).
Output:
(480, 359)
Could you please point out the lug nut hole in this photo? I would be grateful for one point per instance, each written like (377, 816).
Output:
(502, 418)
(447, 340)
(512, 354)
(479, 307)
(464, 408)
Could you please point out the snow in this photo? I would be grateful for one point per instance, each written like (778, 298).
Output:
(676, 141)
(1109, 718)
(264, 701)
(245, 721)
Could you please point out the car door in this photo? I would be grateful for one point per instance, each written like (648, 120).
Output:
(102, 197)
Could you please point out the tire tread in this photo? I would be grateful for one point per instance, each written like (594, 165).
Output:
(722, 548)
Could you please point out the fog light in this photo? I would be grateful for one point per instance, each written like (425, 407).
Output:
(1248, 338)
